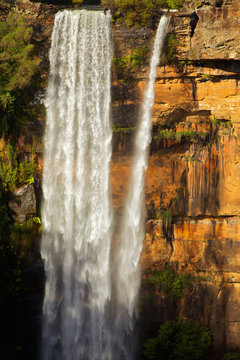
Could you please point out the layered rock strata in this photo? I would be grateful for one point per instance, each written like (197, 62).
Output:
(198, 93)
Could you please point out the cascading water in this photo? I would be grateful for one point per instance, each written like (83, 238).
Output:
(127, 255)
(76, 210)
(82, 320)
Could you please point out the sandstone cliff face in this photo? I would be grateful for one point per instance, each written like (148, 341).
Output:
(214, 28)
(205, 225)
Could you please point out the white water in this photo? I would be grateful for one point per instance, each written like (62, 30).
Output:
(83, 320)
(129, 249)
(76, 210)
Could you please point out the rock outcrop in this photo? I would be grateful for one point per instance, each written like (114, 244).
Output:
(22, 203)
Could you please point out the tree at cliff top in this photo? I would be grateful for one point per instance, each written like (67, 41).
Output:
(18, 65)
(139, 12)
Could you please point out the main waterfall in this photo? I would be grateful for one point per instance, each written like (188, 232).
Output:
(77, 211)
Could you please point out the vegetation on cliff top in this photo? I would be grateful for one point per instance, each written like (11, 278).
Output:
(18, 65)
(139, 12)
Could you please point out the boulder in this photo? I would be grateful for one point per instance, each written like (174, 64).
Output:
(22, 203)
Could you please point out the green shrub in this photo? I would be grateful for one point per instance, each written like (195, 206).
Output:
(231, 356)
(18, 65)
(139, 12)
(27, 170)
(17, 61)
(191, 136)
(127, 66)
(121, 129)
(169, 281)
(179, 340)
(170, 49)
(226, 124)
(14, 174)
(175, 4)
(23, 236)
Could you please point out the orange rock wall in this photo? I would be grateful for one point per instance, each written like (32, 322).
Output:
(199, 88)
(205, 226)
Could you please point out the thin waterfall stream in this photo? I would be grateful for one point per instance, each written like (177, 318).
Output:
(80, 320)
(127, 259)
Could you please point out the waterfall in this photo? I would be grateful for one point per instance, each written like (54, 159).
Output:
(76, 209)
(129, 248)
(89, 304)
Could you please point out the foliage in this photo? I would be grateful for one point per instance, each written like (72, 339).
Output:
(23, 236)
(126, 66)
(164, 134)
(18, 65)
(139, 12)
(175, 4)
(206, 77)
(14, 174)
(27, 170)
(191, 136)
(165, 214)
(179, 340)
(170, 49)
(231, 356)
(132, 61)
(221, 123)
(121, 129)
(131, 12)
(169, 281)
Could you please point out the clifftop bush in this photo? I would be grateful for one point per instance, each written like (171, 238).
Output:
(139, 12)
(18, 65)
